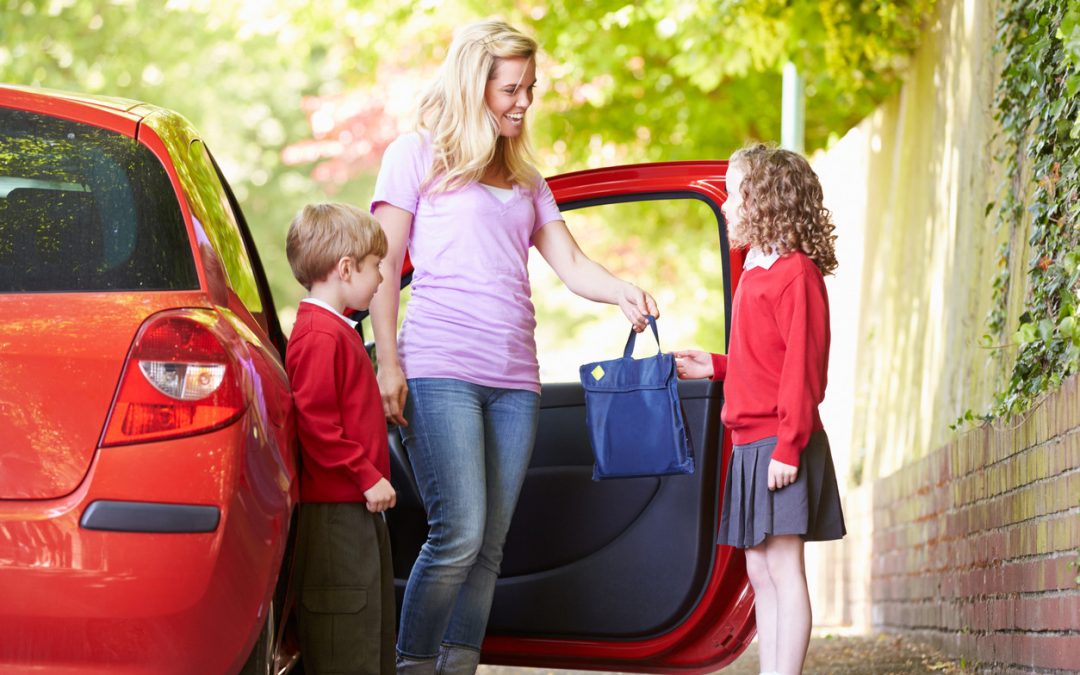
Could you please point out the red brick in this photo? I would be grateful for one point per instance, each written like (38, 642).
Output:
(1052, 651)
(1038, 575)
(1060, 613)
(1004, 648)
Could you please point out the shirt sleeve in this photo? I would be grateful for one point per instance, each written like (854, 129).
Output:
(313, 376)
(544, 205)
(719, 367)
(802, 316)
(401, 173)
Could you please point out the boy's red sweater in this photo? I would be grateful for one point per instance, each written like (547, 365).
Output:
(775, 370)
(339, 410)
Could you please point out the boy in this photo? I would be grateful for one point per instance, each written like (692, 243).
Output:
(346, 602)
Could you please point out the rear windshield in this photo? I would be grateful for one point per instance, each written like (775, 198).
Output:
(86, 209)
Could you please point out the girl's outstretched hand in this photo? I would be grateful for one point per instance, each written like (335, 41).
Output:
(693, 364)
(781, 475)
(635, 304)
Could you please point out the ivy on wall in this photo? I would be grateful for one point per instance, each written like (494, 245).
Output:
(1036, 107)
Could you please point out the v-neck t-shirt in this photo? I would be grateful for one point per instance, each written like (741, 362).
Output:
(470, 316)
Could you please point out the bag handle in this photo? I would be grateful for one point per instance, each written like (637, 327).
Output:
(629, 349)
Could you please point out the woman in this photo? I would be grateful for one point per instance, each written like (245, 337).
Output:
(464, 198)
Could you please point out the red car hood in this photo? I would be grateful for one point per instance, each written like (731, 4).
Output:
(61, 356)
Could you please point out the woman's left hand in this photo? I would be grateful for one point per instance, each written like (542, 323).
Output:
(636, 304)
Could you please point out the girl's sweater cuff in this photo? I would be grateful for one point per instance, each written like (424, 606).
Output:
(719, 365)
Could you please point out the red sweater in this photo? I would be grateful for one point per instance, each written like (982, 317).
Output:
(339, 410)
(775, 369)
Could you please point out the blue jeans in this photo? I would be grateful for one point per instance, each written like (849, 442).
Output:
(469, 447)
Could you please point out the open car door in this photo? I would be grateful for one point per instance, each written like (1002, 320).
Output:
(620, 574)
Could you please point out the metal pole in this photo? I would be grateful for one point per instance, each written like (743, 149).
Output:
(793, 110)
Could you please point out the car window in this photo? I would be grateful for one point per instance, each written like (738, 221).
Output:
(670, 247)
(212, 208)
(86, 209)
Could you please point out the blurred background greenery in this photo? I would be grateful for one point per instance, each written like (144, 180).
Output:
(298, 99)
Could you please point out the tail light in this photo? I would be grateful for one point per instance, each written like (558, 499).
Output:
(181, 378)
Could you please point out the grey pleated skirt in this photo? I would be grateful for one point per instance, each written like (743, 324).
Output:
(809, 507)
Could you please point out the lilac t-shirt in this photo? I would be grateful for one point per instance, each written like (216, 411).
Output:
(470, 316)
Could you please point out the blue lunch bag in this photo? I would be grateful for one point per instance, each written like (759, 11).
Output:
(634, 416)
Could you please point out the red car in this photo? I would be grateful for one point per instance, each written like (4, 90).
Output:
(147, 457)
(147, 446)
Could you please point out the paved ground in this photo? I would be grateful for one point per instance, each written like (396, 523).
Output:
(849, 655)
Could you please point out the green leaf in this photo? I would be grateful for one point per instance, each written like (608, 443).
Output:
(1071, 261)
(1025, 334)
(1045, 329)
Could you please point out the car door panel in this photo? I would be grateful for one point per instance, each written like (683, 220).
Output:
(633, 545)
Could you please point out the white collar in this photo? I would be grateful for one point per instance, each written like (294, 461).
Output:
(755, 257)
(320, 303)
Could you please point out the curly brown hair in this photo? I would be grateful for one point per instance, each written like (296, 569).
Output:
(782, 205)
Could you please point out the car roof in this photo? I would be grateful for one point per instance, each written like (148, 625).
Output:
(40, 99)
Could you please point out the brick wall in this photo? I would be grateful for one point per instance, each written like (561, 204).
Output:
(961, 540)
(972, 545)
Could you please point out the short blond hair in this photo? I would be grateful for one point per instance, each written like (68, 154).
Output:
(322, 234)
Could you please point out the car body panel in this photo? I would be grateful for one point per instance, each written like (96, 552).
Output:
(86, 601)
(64, 587)
(63, 351)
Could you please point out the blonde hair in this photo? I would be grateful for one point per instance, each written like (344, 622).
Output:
(782, 205)
(322, 234)
(464, 132)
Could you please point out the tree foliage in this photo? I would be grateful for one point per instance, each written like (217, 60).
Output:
(324, 84)
(678, 80)
(665, 79)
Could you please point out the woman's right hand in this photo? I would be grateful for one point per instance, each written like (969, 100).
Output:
(394, 389)
(636, 304)
(693, 364)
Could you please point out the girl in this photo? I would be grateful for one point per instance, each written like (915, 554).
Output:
(781, 487)
(462, 194)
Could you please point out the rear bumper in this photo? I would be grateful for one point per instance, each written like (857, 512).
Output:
(105, 598)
